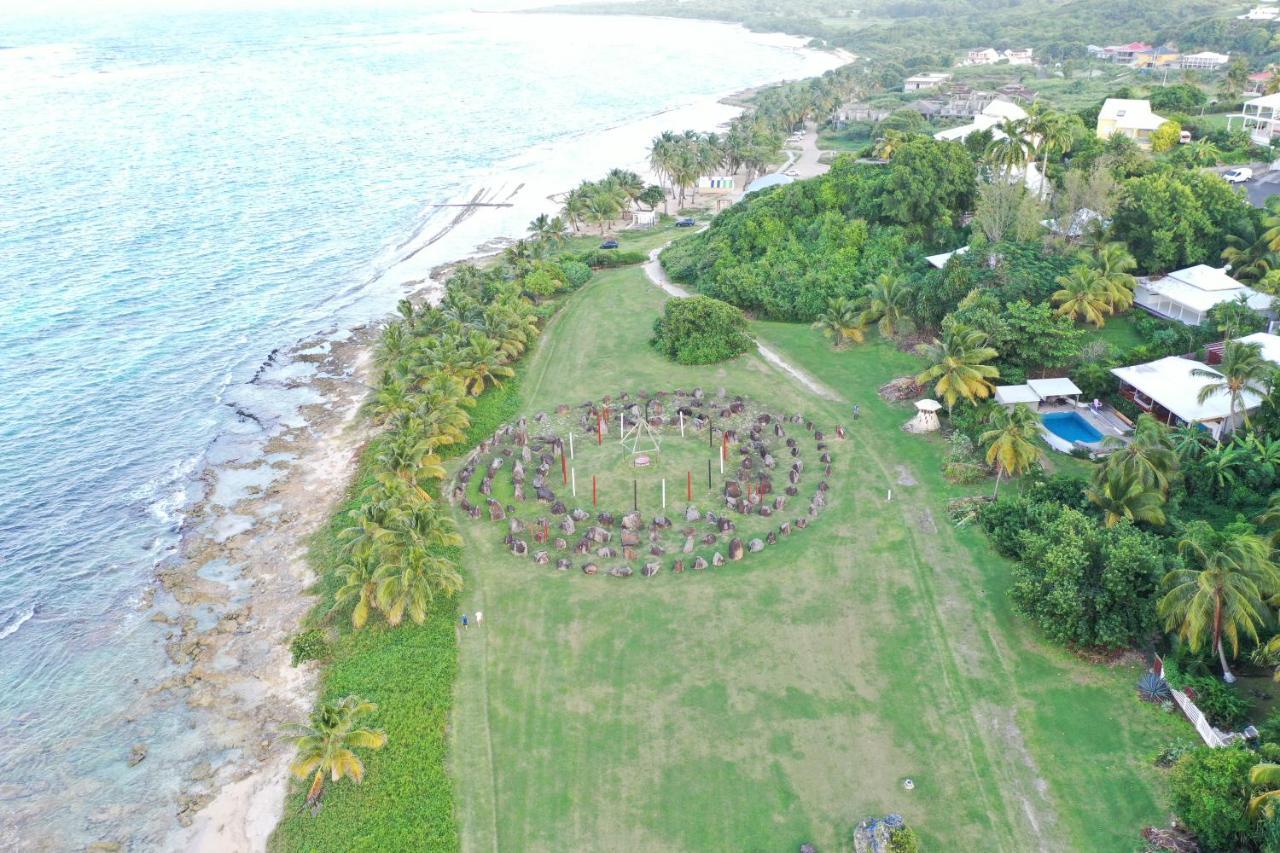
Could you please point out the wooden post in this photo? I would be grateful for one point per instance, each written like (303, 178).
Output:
(564, 466)
(635, 495)
(709, 472)
(689, 488)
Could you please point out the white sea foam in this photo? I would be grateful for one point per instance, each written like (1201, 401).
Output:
(11, 627)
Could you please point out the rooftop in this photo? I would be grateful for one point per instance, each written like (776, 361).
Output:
(1130, 112)
(1201, 287)
(1171, 383)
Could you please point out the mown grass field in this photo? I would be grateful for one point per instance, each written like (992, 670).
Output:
(782, 699)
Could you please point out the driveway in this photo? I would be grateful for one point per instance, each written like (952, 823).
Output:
(1263, 187)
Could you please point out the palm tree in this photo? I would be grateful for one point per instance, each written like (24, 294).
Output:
(411, 584)
(842, 321)
(1012, 442)
(888, 298)
(482, 364)
(410, 456)
(886, 146)
(1011, 150)
(358, 584)
(1221, 463)
(1148, 456)
(1083, 294)
(1270, 517)
(1202, 152)
(1242, 371)
(662, 159)
(325, 748)
(1224, 596)
(958, 365)
(1053, 135)
(547, 229)
(1113, 263)
(1121, 494)
(1269, 775)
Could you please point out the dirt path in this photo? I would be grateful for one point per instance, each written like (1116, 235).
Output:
(656, 274)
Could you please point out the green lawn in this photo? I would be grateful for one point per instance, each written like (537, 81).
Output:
(785, 698)
(1119, 332)
(629, 239)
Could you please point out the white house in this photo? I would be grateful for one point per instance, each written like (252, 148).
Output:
(988, 119)
(1205, 59)
(1170, 390)
(931, 80)
(1187, 295)
(940, 261)
(1129, 117)
(982, 56)
(1260, 118)
(1020, 56)
(1260, 13)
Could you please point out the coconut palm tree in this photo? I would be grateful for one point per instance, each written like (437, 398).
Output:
(1121, 494)
(358, 584)
(411, 584)
(957, 364)
(1011, 150)
(662, 160)
(1012, 442)
(482, 364)
(326, 747)
(1270, 518)
(1221, 463)
(1268, 775)
(888, 300)
(1242, 371)
(1052, 135)
(411, 456)
(1148, 456)
(888, 144)
(842, 321)
(1083, 294)
(1113, 262)
(1223, 594)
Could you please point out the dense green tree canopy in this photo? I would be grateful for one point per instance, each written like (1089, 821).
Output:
(700, 330)
(1176, 218)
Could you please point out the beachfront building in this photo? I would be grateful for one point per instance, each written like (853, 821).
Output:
(1188, 295)
(989, 118)
(1130, 117)
(1205, 60)
(1260, 118)
(764, 182)
(1169, 389)
(920, 82)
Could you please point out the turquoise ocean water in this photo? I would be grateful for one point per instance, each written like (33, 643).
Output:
(181, 195)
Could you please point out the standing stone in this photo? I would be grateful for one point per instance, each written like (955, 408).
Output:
(590, 568)
(621, 571)
(699, 564)
(692, 514)
(717, 559)
(755, 546)
(735, 549)
(519, 547)
(678, 567)
(650, 569)
(563, 564)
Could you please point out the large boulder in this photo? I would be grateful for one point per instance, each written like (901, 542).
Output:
(632, 521)
(755, 546)
(630, 538)
(599, 534)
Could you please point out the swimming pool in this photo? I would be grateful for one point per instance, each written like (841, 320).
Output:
(1071, 427)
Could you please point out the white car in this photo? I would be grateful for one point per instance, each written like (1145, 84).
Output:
(1238, 175)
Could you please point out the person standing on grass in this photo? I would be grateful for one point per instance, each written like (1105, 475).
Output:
(479, 618)
(464, 621)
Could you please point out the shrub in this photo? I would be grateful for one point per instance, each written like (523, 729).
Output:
(1219, 701)
(309, 645)
(700, 330)
(904, 840)
(609, 258)
(1209, 789)
(576, 273)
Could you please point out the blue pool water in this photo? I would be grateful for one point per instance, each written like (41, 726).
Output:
(1069, 426)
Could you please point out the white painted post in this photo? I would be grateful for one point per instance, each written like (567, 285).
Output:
(889, 496)
(573, 478)
(682, 424)
(619, 424)
(722, 460)
(664, 492)
(570, 444)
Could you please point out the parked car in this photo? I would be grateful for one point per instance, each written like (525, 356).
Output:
(1238, 175)
(685, 222)
(609, 244)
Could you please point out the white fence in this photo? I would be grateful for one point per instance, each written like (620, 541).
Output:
(1211, 736)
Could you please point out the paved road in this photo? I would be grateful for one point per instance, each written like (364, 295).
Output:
(1263, 187)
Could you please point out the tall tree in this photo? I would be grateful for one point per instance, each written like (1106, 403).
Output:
(327, 746)
(958, 365)
(1242, 372)
(1114, 266)
(1012, 442)
(842, 321)
(1121, 495)
(888, 304)
(1083, 295)
(1223, 592)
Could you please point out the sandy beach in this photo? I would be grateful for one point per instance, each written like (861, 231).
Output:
(246, 544)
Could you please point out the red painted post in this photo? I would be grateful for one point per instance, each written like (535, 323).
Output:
(599, 430)
(564, 467)
(689, 487)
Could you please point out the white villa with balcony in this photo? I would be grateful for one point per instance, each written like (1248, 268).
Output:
(1187, 295)
(1260, 118)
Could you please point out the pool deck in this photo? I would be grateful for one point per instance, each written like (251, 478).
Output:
(1105, 421)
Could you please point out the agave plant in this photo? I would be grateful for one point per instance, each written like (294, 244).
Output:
(1153, 688)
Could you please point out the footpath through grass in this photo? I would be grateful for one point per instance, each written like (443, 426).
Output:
(781, 700)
